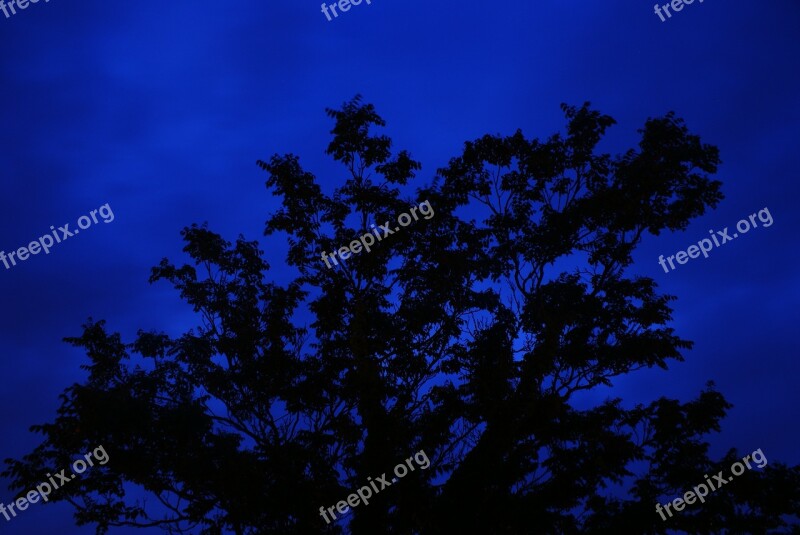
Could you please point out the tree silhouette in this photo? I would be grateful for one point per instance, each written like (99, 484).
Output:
(467, 335)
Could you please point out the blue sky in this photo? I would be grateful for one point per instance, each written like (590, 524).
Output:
(161, 109)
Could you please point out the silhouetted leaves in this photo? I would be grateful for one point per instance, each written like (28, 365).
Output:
(467, 335)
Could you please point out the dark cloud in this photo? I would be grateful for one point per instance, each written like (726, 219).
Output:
(162, 108)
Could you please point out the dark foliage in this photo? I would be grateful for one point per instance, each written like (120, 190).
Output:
(466, 335)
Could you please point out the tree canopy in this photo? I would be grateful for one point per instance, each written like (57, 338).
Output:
(468, 335)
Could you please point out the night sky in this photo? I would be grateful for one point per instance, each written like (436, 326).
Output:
(161, 109)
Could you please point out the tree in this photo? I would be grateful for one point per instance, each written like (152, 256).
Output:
(466, 335)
